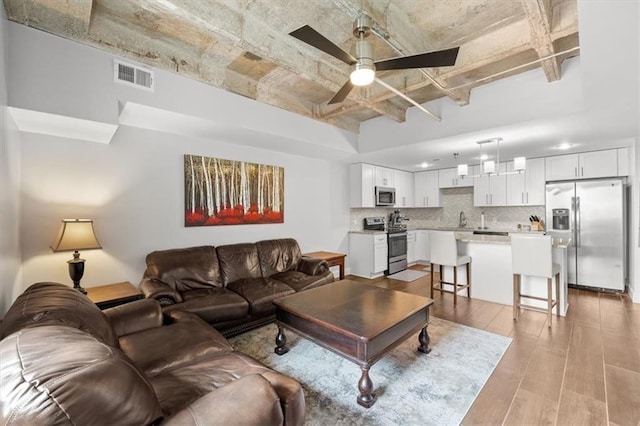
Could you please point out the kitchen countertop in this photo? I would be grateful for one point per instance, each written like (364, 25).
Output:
(364, 231)
(466, 236)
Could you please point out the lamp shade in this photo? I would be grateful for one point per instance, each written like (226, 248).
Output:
(463, 170)
(76, 234)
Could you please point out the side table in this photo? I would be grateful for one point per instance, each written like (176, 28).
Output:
(333, 259)
(110, 295)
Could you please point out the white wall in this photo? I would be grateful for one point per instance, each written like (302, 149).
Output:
(133, 188)
(9, 186)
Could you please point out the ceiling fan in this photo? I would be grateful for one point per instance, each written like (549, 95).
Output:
(361, 60)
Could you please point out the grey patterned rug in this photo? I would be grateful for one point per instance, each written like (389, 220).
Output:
(412, 388)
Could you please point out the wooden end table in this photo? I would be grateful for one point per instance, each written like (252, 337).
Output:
(110, 295)
(333, 259)
(359, 322)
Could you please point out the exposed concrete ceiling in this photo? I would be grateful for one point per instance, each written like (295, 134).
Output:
(243, 46)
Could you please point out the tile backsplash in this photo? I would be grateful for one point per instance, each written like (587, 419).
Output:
(455, 200)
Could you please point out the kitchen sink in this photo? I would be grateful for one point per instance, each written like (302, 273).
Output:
(485, 232)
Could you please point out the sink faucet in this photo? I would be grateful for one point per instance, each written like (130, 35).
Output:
(463, 221)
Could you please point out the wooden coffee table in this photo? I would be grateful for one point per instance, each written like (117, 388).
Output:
(359, 322)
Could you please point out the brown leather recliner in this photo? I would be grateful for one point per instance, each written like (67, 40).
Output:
(66, 362)
(232, 286)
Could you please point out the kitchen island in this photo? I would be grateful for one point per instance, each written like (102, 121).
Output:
(491, 276)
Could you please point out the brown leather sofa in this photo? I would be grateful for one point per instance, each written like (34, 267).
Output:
(66, 362)
(232, 287)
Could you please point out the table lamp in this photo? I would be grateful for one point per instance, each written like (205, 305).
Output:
(75, 235)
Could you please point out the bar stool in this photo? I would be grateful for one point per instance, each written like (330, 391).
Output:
(531, 255)
(444, 252)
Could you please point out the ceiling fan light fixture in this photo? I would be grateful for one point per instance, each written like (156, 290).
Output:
(362, 76)
(364, 71)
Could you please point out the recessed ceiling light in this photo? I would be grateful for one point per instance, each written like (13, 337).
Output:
(424, 165)
(483, 157)
(564, 146)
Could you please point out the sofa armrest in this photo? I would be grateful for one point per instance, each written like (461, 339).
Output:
(250, 400)
(312, 265)
(156, 289)
(135, 316)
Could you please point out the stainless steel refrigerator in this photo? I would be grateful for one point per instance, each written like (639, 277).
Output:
(592, 214)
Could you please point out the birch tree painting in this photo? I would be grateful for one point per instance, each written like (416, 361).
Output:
(225, 192)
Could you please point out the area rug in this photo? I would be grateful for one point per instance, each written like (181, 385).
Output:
(407, 275)
(412, 388)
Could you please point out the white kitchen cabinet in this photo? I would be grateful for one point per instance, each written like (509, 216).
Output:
(362, 185)
(490, 189)
(367, 254)
(449, 178)
(404, 188)
(528, 187)
(427, 190)
(623, 161)
(585, 165)
(411, 247)
(423, 252)
(384, 176)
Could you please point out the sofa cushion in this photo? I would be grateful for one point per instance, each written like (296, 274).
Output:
(212, 305)
(238, 262)
(260, 293)
(57, 304)
(300, 281)
(185, 269)
(61, 375)
(158, 349)
(278, 255)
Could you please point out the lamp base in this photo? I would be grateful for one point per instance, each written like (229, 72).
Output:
(78, 287)
(76, 271)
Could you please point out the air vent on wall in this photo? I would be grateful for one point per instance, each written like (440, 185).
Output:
(133, 75)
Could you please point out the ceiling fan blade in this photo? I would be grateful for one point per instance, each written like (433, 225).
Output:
(342, 93)
(317, 40)
(441, 58)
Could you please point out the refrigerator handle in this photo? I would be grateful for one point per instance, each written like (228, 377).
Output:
(578, 230)
(572, 222)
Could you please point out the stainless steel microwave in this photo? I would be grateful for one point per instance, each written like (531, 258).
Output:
(385, 196)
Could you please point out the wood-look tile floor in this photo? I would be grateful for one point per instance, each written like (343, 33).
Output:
(585, 370)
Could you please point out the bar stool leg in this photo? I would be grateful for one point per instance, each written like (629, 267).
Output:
(432, 283)
(455, 285)
(469, 280)
(515, 296)
(558, 294)
(549, 300)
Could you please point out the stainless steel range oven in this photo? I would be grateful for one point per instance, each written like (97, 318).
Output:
(397, 244)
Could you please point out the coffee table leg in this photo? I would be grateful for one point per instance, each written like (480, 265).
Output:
(365, 386)
(424, 340)
(281, 342)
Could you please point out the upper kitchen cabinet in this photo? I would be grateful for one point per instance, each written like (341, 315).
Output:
(384, 176)
(490, 189)
(427, 190)
(526, 188)
(362, 185)
(582, 166)
(404, 188)
(449, 178)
